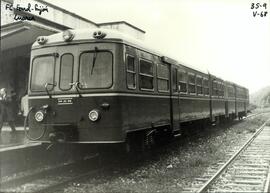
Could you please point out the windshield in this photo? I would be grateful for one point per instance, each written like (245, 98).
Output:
(95, 69)
(42, 73)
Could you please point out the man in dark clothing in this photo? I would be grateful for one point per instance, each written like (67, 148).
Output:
(6, 110)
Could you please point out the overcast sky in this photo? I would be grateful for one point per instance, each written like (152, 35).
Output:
(219, 36)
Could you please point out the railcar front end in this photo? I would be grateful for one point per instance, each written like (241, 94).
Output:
(71, 92)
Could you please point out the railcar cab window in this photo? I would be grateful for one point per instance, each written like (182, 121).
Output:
(96, 69)
(191, 83)
(206, 86)
(42, 72)
(66, 71)
(182, 76)
(163, 77)
(146, 75)
(199, 85)
(131, 72)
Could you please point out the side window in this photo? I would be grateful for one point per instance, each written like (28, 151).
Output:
(174, 79)
(163, 77)
(218, 89)
(242, 93)
(246, 93)
(222, 89)
(206, 86)
(199, 85)
(182, 78)
(191, 83)
(66, 71)
(237, 92)
(146, 75)
(131, 72)
(215, 89)
(231, 91)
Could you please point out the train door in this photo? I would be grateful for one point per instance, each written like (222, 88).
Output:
(175, 101)
(211, 79)
(174, 95)
(235, 99)
(226, 96)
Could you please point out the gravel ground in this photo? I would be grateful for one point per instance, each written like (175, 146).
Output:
(173, 167)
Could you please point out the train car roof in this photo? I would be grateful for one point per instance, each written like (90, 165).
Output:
(84, 35)
(87, 35)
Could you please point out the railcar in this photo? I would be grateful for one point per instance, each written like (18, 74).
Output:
(101, 86)
(230, 96)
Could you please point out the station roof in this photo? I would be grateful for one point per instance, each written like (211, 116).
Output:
(23, 33)
(121, 22)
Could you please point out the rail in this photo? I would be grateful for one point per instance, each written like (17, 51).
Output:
(219, 172)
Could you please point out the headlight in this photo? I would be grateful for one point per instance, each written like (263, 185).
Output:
(42, 40)
(68, 35)
(94, 115)
(39, 116)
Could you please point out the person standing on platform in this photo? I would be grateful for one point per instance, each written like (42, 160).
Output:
(24, 106)
(7, 110)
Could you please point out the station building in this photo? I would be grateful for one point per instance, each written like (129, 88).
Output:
(22, 21)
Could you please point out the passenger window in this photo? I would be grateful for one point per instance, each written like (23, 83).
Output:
(206, 86)
(163, 77)
(215, 89)
(231, 91)
(199, 85)
(66, 71)
(174, 79)
(131, 72)
(241, 93)
(182, 78)
(238, 92)
(218, 89)
(146, 75)
(191, 84)
(222, 90)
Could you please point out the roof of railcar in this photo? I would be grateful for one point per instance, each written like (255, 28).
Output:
(86, 35)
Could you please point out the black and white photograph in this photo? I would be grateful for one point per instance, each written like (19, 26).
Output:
(143, 96)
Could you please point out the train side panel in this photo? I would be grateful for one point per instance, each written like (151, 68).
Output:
(192, 108)
(144, 106)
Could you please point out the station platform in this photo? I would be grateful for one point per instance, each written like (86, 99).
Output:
(13, 140)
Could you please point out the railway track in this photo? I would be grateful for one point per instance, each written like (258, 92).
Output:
(247, 170)
(54, 178)
(254, 115)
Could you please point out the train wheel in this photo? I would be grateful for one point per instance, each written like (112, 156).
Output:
(135, 143)
(163, 137)
(139, 142)
(217, 120)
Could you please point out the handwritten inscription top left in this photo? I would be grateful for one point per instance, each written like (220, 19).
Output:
(36, 8)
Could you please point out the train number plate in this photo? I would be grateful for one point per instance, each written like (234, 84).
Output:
(65, 101)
